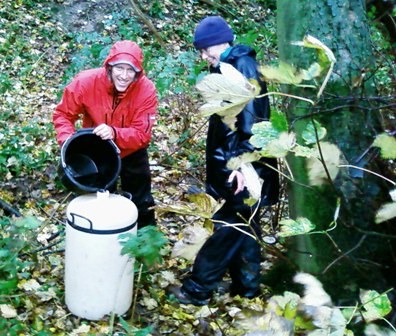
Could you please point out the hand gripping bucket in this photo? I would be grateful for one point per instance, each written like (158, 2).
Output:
(88, 163)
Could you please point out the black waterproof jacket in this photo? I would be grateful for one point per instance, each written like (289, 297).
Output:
(223, 143)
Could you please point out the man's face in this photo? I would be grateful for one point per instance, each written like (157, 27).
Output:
(122, 76)
(212, 54)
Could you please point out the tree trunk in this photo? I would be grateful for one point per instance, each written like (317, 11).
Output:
(358, 253)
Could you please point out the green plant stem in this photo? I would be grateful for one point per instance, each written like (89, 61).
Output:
(111, 323)
(286, 95)
(390, 324)
(136, 291)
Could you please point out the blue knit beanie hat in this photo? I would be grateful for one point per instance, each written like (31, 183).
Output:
(211, 31)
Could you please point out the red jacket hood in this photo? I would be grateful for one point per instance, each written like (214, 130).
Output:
(126, 47)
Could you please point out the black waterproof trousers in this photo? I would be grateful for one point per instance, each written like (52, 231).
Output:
(227, 250)
(136, 179)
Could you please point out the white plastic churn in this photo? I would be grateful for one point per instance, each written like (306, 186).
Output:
(98, 279)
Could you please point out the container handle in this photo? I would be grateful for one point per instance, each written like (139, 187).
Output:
(77, 227)
(91, 230)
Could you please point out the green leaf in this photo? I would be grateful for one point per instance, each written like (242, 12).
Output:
(263, 133)
(284, 305)
(387, 144)
(280, 147)
(291, 227)
(145, 246)
(309, 134)
(279, 121)
(304, 151)
(376, 306)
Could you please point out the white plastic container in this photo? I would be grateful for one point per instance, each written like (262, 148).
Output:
(98, 279)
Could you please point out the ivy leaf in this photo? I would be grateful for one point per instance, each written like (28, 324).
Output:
(316, 172)
(291, 227)
(376, 306)
(387, 144)
(226, 94)
(309, 134)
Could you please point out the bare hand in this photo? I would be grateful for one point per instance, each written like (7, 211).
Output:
(104, 131)
(240, 185)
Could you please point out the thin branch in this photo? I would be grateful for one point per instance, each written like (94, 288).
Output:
(344, 254)
(322, 157)
(286, 95)
(368, 171)
(148, 23)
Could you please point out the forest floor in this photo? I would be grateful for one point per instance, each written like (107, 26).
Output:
(177, 161)
(176, 167)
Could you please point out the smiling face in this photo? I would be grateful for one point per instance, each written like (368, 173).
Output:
(212, 54)
(122, 76)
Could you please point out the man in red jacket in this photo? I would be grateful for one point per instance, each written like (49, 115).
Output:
(120, 103)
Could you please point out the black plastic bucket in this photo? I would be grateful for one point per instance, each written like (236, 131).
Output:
(88, 163)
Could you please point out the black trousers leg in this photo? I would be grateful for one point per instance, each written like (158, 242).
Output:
(136, 179)
(227, 249)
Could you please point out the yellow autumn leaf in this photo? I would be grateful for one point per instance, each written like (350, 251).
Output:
(226, 94)
(202, 205)
(284, 73)
(312, 42)
(316, 171)
(193, 237)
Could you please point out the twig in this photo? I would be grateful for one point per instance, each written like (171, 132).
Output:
(148, 23)
(322, 159)
(344, 255)
(369, 171)
(9, 209)
(136, 291)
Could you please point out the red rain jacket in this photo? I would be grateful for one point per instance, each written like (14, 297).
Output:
(92, 95)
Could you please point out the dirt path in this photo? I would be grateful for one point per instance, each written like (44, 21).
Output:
(87, 15)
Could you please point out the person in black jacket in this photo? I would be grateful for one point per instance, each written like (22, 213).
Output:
(229, 249)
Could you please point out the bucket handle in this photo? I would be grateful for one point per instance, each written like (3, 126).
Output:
(95, 231)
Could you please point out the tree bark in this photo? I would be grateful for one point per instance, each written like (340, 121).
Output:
(357, 253)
